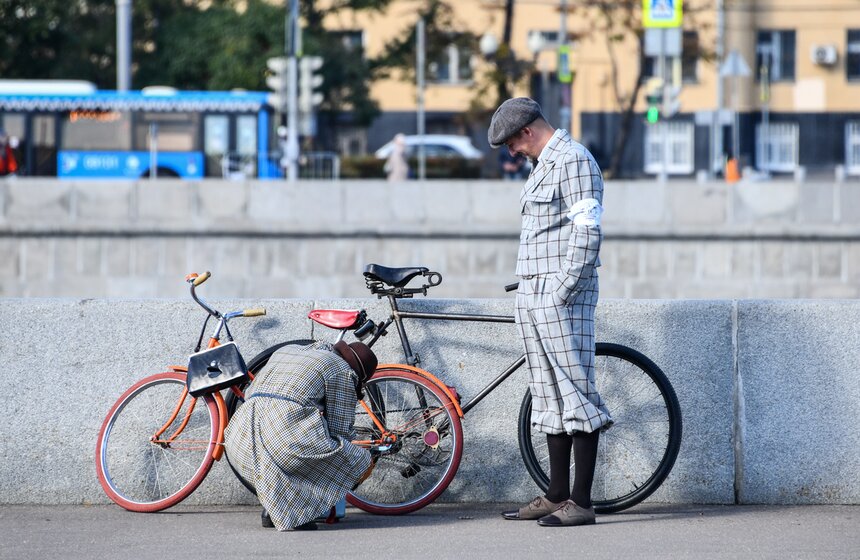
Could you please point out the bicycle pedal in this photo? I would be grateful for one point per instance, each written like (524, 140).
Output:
(411, 470)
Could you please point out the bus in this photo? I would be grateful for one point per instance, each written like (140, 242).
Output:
(69, 129)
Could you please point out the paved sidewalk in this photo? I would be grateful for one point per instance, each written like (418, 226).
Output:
(457, 531)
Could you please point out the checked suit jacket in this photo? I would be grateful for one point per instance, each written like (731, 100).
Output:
(550, 244)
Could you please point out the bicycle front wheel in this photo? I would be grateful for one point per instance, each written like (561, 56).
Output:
(427, 442)
(637, 452)
(143, 472)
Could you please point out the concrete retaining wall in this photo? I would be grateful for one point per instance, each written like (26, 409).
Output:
(274, 239)
(769, 390)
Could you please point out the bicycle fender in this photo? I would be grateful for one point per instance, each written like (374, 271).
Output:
(222, 424)
(429, 377)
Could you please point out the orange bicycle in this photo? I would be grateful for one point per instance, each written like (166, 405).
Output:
(158, 443)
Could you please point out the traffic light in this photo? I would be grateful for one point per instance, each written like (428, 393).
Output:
(309, 99)
(277, 80)
(654, 99)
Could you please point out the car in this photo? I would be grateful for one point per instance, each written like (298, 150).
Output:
(435, 146)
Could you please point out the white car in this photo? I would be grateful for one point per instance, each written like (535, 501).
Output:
(435, 146)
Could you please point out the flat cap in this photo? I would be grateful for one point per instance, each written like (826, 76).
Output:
(510, 117)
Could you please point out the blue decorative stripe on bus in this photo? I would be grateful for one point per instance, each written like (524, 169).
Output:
(126, 165)
(242, 101)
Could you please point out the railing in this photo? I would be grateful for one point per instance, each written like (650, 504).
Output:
(680, 147)
(777, 148)
(312, 165)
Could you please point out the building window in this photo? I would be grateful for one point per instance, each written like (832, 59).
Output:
(777, 147)
(775, 51)
(679, 143)
(689, 60)
(852, 55)
(852, 147)
(453, 66)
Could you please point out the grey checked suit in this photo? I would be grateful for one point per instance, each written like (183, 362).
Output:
(557, 264)
(292, 439)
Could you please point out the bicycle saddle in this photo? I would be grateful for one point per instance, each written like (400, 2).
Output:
(397, 277)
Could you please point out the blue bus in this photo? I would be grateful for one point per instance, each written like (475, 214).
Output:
(70, 129)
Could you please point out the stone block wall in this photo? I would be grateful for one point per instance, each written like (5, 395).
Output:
(312, 239)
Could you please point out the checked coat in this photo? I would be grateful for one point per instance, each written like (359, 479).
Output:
(557, 264)
(292, 437)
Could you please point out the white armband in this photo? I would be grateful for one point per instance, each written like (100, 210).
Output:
(586, 212)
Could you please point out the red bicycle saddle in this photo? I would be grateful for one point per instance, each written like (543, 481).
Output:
(335, 318)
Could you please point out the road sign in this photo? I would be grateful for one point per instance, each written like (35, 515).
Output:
(734, 65)
(662, 13)
(565, 76)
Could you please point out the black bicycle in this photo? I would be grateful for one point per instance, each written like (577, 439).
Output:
(410, 418)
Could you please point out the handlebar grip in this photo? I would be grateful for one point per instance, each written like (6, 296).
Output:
(202, 278)
(254, 312)
(512, 287)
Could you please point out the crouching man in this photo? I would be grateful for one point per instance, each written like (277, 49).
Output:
(292, 437)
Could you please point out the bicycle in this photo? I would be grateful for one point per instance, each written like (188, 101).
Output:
(156, 445)
(411, 419)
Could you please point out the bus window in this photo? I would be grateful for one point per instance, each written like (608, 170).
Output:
(13, 126)
(96, 130)
(215, 142)
(175, 133)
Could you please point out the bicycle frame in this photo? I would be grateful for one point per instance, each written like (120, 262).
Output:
(412, 359)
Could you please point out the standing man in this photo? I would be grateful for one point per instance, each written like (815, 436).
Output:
(561, 206)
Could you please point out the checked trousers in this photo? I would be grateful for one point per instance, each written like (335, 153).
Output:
(559, 344)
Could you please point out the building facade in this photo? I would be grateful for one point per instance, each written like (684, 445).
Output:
(797, 110)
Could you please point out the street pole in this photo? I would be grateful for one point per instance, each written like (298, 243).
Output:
(765, 115)
(123, 45)
(664, 136)
(717, 122)
(419, 73)
(290, 47)
(564, 110)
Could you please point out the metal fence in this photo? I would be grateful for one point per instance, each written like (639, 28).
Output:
(312, 165)
(679, 147)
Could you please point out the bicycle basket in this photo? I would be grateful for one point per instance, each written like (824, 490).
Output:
(214, 369)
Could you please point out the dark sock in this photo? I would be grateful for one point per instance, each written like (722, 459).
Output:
(558, 446)
(584, 458)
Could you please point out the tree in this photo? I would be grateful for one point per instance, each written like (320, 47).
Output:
(618, 24)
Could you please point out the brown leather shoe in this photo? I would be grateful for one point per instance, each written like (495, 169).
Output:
(569, 515)
(535, 509)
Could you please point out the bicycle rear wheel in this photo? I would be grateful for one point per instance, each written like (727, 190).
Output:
(144, 475)
(423, 460)
(637, 452)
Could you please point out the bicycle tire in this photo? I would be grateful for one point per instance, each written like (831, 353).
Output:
(624, 459)
(143, 476)
(233, 402)
(425, 458)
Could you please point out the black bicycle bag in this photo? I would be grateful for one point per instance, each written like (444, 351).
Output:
(215, 369)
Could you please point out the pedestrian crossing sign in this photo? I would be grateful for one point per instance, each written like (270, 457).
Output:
(662, 13)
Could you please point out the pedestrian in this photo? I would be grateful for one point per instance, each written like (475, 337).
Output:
(292, 438)
(8, 164)
(513, 166)
(397, 166)
(561, 205)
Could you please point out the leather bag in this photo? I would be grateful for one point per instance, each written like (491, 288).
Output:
(215, 369)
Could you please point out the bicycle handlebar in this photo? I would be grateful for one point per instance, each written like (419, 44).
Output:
(512, 287)
(202, 278)
(254, 312)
